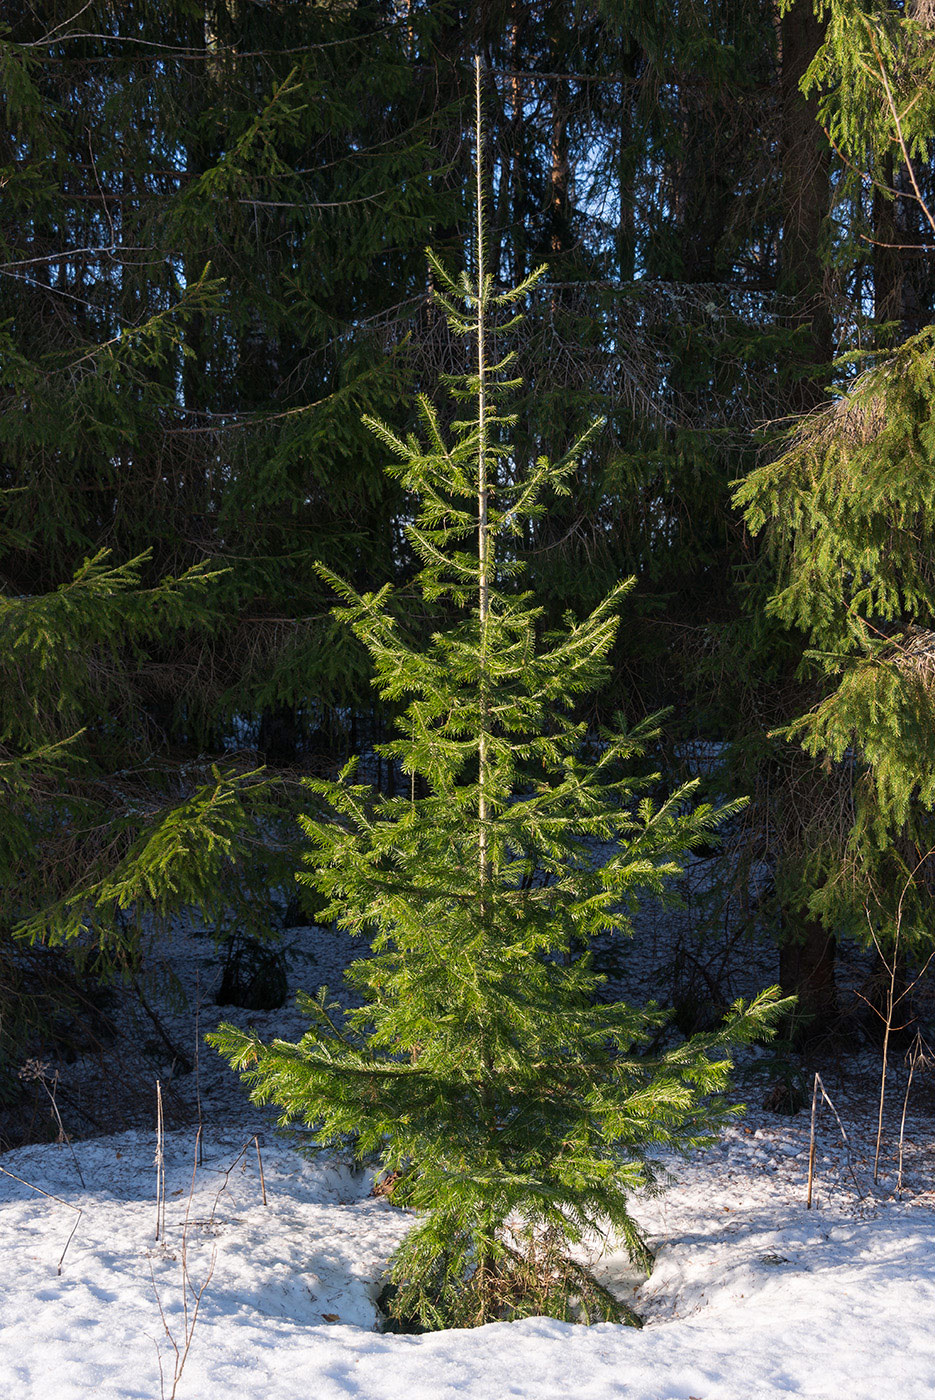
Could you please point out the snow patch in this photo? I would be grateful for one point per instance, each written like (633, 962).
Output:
(752, 1296)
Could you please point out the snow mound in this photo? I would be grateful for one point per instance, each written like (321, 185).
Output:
(752, 1296)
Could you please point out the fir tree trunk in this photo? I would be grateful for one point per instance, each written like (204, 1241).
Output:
(704, 182)
(805, 199)
(559, 193)
(806, 970)
(887, 260)
(627, 161)
(559, 232)
(518, 230)
(483, 541)
(808, 948)
(279, 735)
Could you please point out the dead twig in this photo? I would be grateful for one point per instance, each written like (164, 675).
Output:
(892, 1000)
(819, 1085)
(897, 123)
(48, 1194)
(178, 1058)
(198, 1061)
(811, 1146)
(916, 1056)
(189, 1314)
(190, 1310)
(259, 1162)
(35, 1069)
(159, 1161)
(240, 1158)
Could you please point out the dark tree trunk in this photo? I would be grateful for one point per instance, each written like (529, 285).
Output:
(807, 952)
(806, 970)
(627, 161)
(805, 203)
(887, 259)
(560, 239)
(279, 735)
(517, 233)
(704, 184)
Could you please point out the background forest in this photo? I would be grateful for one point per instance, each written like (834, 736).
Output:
(212, 238)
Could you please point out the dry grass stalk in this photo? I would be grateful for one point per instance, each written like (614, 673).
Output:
(23, 1182)
(259, 1162)
(190, 1311)
(35, 1069)
(198, 1061)
(160, 1165)
(816, 1105)
(811, 1145)
(892, 1000)
(182, 1347)
(916, 1056)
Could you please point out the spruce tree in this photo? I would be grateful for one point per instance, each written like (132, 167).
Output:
(509, 1105)
(846, 510)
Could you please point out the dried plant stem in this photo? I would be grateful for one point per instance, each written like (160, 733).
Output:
(846, 1140)
(198, 1063)
(892, 1000)
(915, 1056)
(241, 1158)
(190, 1311)
(819, 1085)
(811, 1145)
(62, 1135)
(483, 493)
(259, 1162)
(899, 129)
(189, 1315)
(160, 1164)
(888, 1026)
(23, 1182)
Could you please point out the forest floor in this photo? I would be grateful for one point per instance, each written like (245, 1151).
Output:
(753, 1295)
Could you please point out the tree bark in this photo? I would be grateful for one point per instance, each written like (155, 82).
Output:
(807, 951)
(806, 970)
(627, 159)
(805, 199)
(517, 234)
(887, 259)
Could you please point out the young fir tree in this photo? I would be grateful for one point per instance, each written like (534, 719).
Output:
(512, 1108)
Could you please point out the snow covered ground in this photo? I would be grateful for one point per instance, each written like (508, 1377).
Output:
(752, 1296)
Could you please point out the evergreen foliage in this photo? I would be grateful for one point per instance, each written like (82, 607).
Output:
(849, 506)
(100, 833)
(178, 444)
(847, 511)
(875, 68)
(705, 243)
(211, 418)
(512, 1108)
